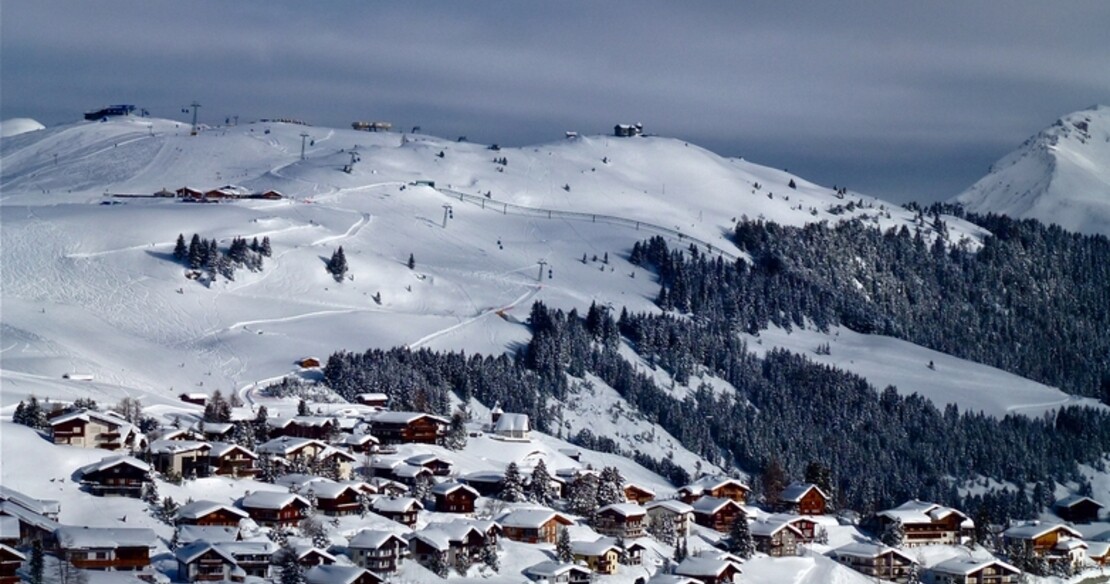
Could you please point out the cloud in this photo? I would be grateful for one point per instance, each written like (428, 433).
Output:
(857, 92)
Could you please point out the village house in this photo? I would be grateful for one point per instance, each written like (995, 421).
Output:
(215, 431)
(374, 400)
(448, 542)
(201, 561)
(1043, 539)
(309, 363)
(628, 130)
(89, 429)
(253, 557)
(638, 494)
(288, 449)
(183, 458)
(118, 475)
(926, 523)
(189, 193)
(403, 510)
(334, 574)
(810, 529)
(776, 539)
(679, 514)
(199, 399)
(486, 482)
(876, 561)
(721, 487)
(314, 427)
(717, 513)
(407, 427)
(454, 498)
(1077, 509)
(710, 568)
(601, 556)
(187, 534)
(533, 525)
(378, 551)
(410, 474)
(338, 499)
(439, 466)
(275, 509)
(270, 195)
(1098, 552)
(231, 460)
(209, 513)
(10, 561)
(969, 571)
(552, 572)
(359, 443)
(513, 427)
(102, 548)
(308, 555)
(36, 519)
(620, 520)
(9, 530)
(803, 499)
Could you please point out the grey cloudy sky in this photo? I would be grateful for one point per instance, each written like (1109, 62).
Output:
(904, 100)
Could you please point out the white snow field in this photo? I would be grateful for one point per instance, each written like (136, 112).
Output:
(1060, 175)
(17, 126)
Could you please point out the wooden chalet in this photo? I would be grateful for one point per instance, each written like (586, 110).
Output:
(309, 555)
(876, 561)
(253, 557)
(926, 523)
(338, 499)
(454, 497)
(209, 513)
(359, 443)
(638, 494)
(1078, 509)
(201, 561)
(533, 525)
(374, 399)
(803, 499)
(275, 509)
(122, 476)
(968, 571)
(26, 519)
(1098, 552)
(187, 534)
(776, 539)
(720, 487)
(103, 548)
(89, 429)
(552, 572)
(710, 568)
(807, 525)
(185, 458)
(403, 510)
(408, 427)
(378, 551)
(189, 193)
(451, 542)
(486, 482)
(312, 427)
(270, 195)
(10, 560)
(1042, 539)
(601, 556)
(439, 466)
(620, 520)
(199, 399)
(335, 574)
(717, 513)
(679, 514)
(232, 460)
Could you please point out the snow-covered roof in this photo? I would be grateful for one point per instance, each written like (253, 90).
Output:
(391, 417)
(335, 574)
(373, 396)
(83, 537)
(435, 538)
(300, 480)
(624, 509)
(209, 533)
(217, 428)
(287, 444)
(770, 528)
(28, 516)
(358, 439)
(176, 446)
(703, 566)
(1098, 549)
(303, 550)
(9, 527)
(965, 566)
(918, 512)
(312, 421)
(639, 487)
(599, 547)
(270, 500)
(484, 476)
(451, 487)
(531, 518)
(1075, 500)
(47, 507)
(711, 505)
(198, 509)
(427, 458)
(552, 569)
(672, 505)
(374, 539)
(196, 549)
(512, 423)
(255, 547)
(661, 578)
(396, 504)
(111, 461)
(794, 492)
(868, 550)
(332, 490)
(1035, 530)
(409, 471)
(709, 483)
(220, 449)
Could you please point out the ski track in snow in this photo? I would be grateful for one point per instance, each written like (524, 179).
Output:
(426, 338)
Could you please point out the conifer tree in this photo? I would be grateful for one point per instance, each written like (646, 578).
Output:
(539, 489)
(180, 251)
(35, 569)
(337, 265)
(582, 495)
(740, 538)
(265, 248)
(412, 262)
(490, 557)
(195, 254)
(894, 535)
(562, 546)
(456, 433)
(291, 570)
(512, 486)
(610, 488)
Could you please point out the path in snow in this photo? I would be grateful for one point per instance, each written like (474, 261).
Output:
(426, 338)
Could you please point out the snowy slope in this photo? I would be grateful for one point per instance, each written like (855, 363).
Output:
(17, 126)
(1061, 175)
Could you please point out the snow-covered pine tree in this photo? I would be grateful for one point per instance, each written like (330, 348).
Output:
(180, 251)
(610, 488)
(150, 490)
(512, 486)
(490, 557)
(291, 570)
(337, 265)
(195, 254)
(412, 262)
(37, 564)
(265, 248)
(456, 432)
(539, 488)
(582, 495)
(562, 546)
(740, 538)
(894, 535)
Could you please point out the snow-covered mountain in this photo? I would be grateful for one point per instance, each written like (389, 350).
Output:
(1061, 175)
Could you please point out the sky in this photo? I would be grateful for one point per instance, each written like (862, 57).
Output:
(902, 100)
